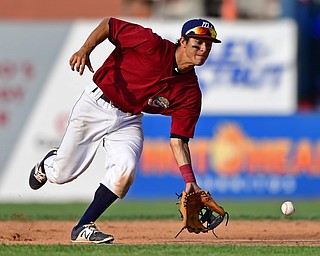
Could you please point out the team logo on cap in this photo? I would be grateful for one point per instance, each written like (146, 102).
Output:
(206, 24)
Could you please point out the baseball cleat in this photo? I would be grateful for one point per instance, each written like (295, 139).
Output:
(89, 233)
(37, 175)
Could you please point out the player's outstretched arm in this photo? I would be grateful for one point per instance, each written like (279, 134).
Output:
(80, 59)
(181, 152)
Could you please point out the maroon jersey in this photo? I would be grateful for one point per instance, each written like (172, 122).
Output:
(138, 77)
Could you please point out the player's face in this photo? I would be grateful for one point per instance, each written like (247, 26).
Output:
(198, 50)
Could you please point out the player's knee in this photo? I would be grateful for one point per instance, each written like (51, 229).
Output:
(126, 173)
(128, 170)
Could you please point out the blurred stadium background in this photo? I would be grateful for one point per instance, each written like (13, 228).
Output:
(258, 137)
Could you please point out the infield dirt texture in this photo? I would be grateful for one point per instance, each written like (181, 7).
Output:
(238, 232)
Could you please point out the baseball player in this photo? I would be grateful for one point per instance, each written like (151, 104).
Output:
(144, 73)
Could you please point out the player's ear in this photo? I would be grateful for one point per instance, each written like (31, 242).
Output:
(183, 41)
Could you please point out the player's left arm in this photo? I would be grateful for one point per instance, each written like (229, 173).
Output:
(181, 152)
(80, 59)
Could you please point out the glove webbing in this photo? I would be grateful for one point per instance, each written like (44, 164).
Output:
(212, 221)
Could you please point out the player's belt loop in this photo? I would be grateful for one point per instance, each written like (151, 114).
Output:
(96, 93)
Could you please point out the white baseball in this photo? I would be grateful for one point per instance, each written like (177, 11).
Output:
(288, 208)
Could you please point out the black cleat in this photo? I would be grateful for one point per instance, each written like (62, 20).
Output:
(89, 233)
(37, 175)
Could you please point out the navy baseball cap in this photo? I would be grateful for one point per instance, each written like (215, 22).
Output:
(200, 28)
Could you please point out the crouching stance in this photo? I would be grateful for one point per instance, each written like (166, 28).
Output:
(144, 74)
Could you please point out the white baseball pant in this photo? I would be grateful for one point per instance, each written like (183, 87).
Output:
(93, 119)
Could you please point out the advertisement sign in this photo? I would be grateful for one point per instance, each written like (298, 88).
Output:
(237, 157)
(253, 71)
(28, 51)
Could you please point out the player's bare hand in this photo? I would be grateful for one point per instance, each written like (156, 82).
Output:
(79, 61)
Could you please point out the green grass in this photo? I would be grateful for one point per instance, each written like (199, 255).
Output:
(132, 210)
(115, 250)
(122, 210)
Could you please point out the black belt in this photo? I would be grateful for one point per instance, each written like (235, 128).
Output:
(109, 101)
(104, 97)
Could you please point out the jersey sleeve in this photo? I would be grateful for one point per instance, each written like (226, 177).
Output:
(184, 125)
(185, 114)
(124, 34)
(185, 118)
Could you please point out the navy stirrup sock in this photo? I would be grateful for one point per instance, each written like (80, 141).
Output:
(103, 198)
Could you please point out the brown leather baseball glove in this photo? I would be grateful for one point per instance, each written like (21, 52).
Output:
(197, 212)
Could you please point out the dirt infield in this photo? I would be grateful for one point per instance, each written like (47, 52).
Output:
(286, 232)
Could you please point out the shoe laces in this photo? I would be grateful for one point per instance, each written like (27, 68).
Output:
(39, 175)
(92, 227)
